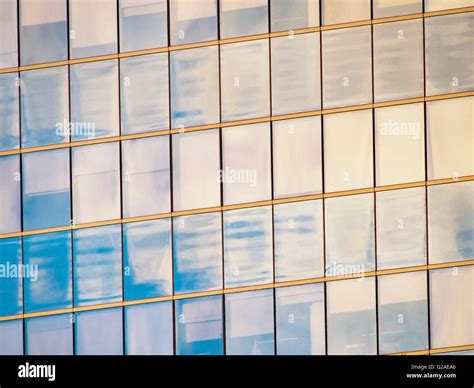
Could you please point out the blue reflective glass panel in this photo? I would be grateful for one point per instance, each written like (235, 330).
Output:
(197, 253)
(50, 335)
(300, 320)
(9, 111)
(149, 329)
(199, 326)
(11, 338)
(97, 265)
(249, 323)
(10, 194)
(8, 34)
(243, 17)
(248, 246)
(11, 293)
(46, 186)
(147, 259)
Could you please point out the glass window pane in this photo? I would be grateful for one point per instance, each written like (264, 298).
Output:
(450, 138)
(400, 144)
(9, 111)
(11, 291)
(50, 335)
(248, 248)
(147, 259)
(293, 14)
(387, 8)
(46, 186)
(351, 317)
(300, 320)
(403, 312)
(245, 80)
(197, 252)
(11, 338)
(94, 100)
(92, 27)
(348, 151)
(448, 53)
(349, 235)
(43, 31)
(401, 228)
(194, 87)
(146, 176)
(143, 24)
(296, 78)
(96, 182)
(193, 21)
(347, 67)
(144, 93)
(97, 265)
(246, 173)
(398, 60)
(99, 332)
(48, 285)
(199, 326)
(436, 5)
(344, 11)
(149, 329)
(196, 164)
(299, 251)
(451, 306)
(451, 222)
(10, 194)
(8, 34)
(243, 17)
(297, 157)
(249, 323)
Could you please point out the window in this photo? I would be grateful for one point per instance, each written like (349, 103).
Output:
(144, 93)
(9, 110)
(11, 338)
(297, 157)
(96, 182)
(46, 186)
(10, 194)
(49, 335)
(401, 228)
(94, 100)
(92, 27)
(387, 8)
(243, 17)
(97, 265)
(246, 172)
(448, 54)
(245, 80)
(197, 252)
(143, 24)
(450, 139)
(293, 14)
(351, 317)
(249, 323)
(399, 144)
(300, 320)
(149, 329)
(193, 21)
(398, 60)
(194, 87)
(343, 11)
(348, 150)
(147, 259)
(8, 34)
(48, 285)
(11, 291)
(436, 5)
(403, 312)
(347, 66)
(349, 235)
(146, 176)
(199, 326)
(299, 251)
(196, 164)
(248, 250)
(296, 82)
(43, 31)
(451, 306)
(99, 332)
(450, 222)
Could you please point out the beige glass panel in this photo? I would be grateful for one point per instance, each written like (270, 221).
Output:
(436, 5)
(344, 11)
(387, 8)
